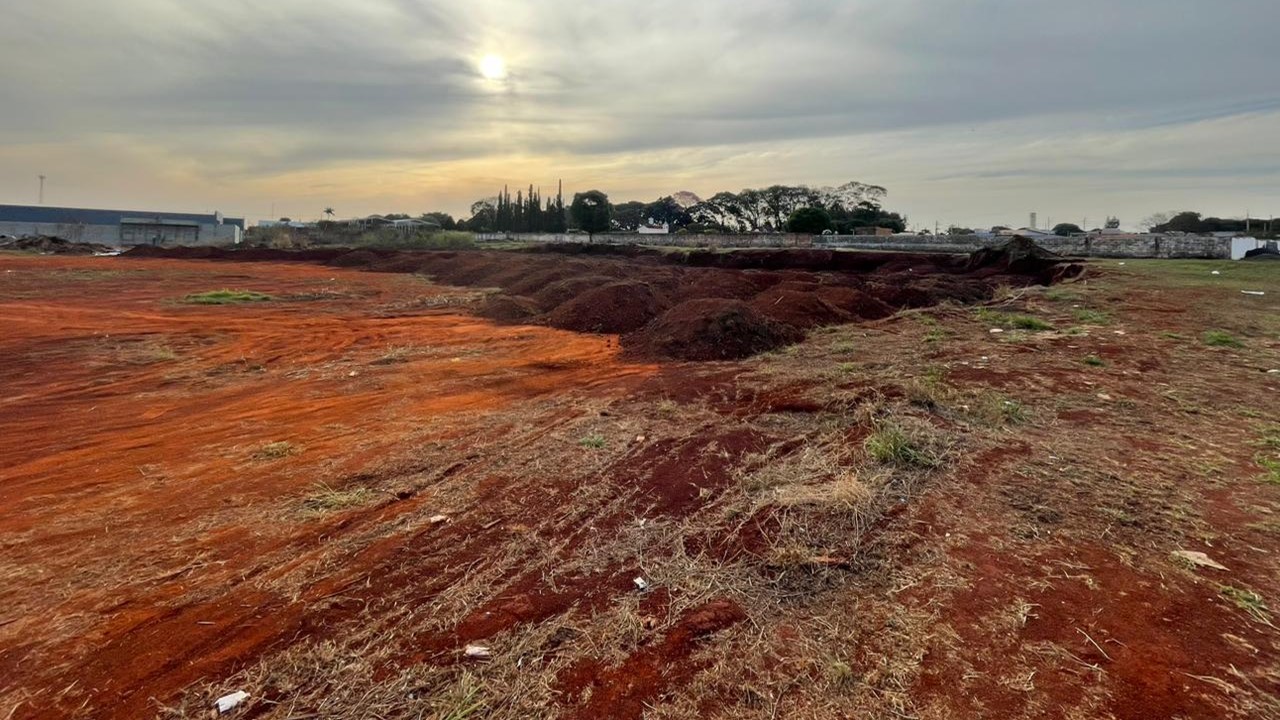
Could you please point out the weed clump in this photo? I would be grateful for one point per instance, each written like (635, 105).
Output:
(1086, 316)
(1012, 320)
(226, 297)
(1221, 338)
(892, 445)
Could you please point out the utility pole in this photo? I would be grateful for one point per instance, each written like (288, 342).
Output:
(41, 189)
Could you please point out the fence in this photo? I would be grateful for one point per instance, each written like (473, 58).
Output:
(1122, 246)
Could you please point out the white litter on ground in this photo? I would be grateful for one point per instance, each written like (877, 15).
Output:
(227, 703)
(1199, 559)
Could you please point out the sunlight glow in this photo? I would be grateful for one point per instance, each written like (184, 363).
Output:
(493, 67)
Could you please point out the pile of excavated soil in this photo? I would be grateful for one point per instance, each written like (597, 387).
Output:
(562, 291)
(700, 305)
(711, 329)
(1021, 256)
(1263, 253)
(798, 308)
(50, 245)
(508, 308)
(618, 307)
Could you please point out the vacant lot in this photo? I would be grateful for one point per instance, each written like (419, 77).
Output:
(323, 486)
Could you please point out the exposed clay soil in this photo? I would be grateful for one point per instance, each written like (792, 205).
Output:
(643, 294)
(324, 498)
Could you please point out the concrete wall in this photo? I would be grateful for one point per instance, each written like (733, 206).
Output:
(1137, 246)
(706, 241)
(110, 234)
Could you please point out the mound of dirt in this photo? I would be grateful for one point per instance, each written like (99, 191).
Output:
(713, 283)
(1267, 252)
(802, 308)
(50, 245)
(508, 308)
(618, 307)
(711, 329)
(356, 258)
(562, 291)
(855, 302)
(1019, 255)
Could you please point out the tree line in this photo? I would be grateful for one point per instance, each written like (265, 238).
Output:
(792, 208)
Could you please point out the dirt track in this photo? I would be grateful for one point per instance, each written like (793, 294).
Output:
(158, 547)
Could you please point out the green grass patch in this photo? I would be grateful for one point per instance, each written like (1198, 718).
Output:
(1249, 601)
(1085, 316)
(891, 445)
(1012, 320)
(1221, 338)
(595, 442)
(1094, 361)
(1059, 294)
(1272, 466)
(226, 297)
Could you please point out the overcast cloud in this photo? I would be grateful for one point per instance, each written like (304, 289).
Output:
(969, 112)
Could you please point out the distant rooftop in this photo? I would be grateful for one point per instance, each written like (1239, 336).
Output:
(93, 216)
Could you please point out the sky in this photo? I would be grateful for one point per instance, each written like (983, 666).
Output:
(973, 113)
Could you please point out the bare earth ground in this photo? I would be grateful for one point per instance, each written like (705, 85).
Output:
(324, 498)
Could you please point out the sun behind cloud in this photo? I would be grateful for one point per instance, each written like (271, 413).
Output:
(493, 67)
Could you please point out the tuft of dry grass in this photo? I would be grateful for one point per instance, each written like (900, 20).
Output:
(324, 498)
(275, 450)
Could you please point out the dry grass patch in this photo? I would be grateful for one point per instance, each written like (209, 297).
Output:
(326, 499)
(275, 450)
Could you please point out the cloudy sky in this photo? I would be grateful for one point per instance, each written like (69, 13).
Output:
(972, 112)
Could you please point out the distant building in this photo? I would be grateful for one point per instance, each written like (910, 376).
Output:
(651, 228)
(1029, 232)
(120, 227)
(873, 230)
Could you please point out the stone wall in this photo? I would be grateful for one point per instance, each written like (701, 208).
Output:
(1128, 246)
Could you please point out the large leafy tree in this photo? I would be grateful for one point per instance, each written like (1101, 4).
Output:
(667, 210)
(850, 206)
(591, 211)
(809, 221)
(444, 220)
(1066, 229)
(627, 216)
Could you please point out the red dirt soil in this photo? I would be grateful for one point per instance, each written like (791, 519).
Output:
(112, 447)
(632, 290)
